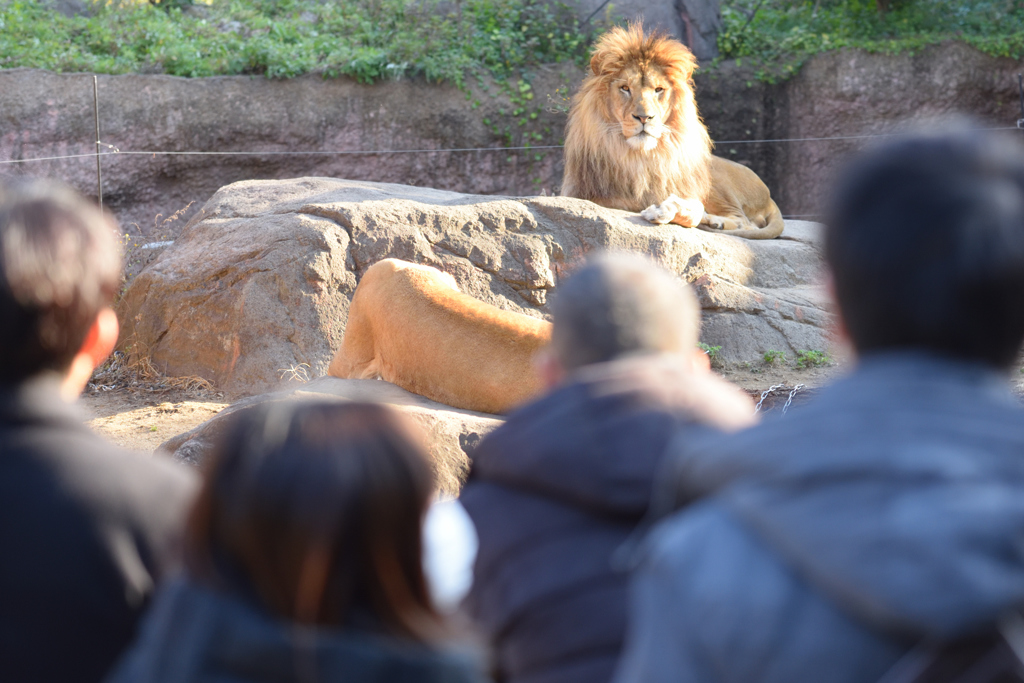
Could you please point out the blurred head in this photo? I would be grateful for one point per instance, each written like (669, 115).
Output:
(316, 509)
(60, 266)
(925, 241)
(621, 304)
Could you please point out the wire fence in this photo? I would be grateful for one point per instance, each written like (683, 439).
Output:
(104, 149)
(113, 151)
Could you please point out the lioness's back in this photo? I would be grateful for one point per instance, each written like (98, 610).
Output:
(410, 325)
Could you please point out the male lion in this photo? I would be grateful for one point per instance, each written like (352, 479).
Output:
(410, 325)
(634, 140)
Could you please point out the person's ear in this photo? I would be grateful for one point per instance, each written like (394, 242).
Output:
(700, 361)
(548, 368)
(102, 337)
(99, 343)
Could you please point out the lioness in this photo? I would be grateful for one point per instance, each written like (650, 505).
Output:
(410, 325)
(634, 139)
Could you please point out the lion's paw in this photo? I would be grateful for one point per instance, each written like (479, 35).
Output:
(658, 213)
(723, 223)
(689, 212)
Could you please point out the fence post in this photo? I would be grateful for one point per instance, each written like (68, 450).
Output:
(96, 116)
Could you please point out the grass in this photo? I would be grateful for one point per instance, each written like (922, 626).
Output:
(134, 371)
(369, 40)
(373, 40)
(296, 373)
(812, 359)
(777, 36)
(804, 359)
(712, 353)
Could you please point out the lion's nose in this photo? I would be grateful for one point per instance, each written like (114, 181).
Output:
(642, 119)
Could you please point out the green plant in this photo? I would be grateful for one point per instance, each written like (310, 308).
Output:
(712, 353)
(774, 358)
(812, 359)
(776, 36)
(559, 101)
(368, 40)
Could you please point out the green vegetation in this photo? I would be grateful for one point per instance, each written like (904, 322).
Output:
(366, 39)
(772, 357)
(812, 359)
(776, 36)
(712, 353)
(372, 40)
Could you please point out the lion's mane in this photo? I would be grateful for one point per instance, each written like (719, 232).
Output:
(600, 165)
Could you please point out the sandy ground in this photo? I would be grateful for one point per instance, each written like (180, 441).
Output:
(143, 420)
(142, 417)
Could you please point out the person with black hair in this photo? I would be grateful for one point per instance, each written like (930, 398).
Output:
(304, 558)
(885, 517)
(557, 489)
(86, 529)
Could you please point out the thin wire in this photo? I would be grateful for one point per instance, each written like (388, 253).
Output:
(837, 137)
(345, 152)
(435, 151)
(298, 153)
(71, 156)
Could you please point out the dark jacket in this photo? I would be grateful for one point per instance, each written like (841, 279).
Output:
(85, 530)
(197, 635)
(828, 541)
(553, 493)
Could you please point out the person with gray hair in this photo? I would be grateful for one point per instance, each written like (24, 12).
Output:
(622, 304)
(563, 483)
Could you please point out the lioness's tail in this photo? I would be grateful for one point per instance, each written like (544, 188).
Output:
(772, 227)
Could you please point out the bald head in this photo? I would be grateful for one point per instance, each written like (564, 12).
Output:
(622, 304)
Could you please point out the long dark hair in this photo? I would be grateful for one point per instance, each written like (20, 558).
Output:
(315, 509)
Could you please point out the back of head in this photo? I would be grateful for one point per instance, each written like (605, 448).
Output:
(622, 304)
(60, 264)
(925, 240)
(314, 510)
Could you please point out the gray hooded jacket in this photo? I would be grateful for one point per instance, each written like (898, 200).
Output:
(824, 544)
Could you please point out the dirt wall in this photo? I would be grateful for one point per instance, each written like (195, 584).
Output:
(845, 93)
(43, 114)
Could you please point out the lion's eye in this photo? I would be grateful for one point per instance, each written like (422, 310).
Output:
(659, 90)
(624, 88)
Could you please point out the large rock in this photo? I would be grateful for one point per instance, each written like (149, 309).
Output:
(259, 282)
(694, 22)
(452, 434)
(839, 101)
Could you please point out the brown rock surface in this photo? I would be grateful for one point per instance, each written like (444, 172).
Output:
(849, 96)
(259, 283)
(451, 433)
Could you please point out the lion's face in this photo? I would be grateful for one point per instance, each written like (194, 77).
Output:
(633, 136)
(640, 101)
